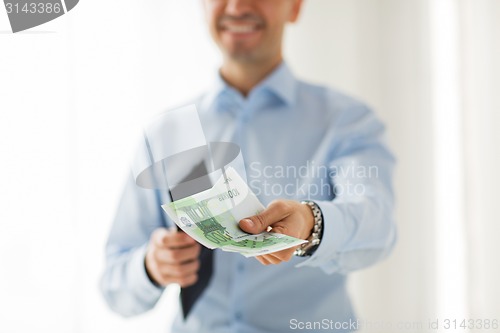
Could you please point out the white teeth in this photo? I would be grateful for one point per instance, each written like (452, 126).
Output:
(241, 28)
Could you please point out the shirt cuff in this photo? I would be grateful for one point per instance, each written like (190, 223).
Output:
(139, 279)
(336, 232)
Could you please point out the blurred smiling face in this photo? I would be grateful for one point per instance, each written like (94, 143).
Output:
(250, 30)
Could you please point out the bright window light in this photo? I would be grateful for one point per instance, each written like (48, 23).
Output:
(449, 189)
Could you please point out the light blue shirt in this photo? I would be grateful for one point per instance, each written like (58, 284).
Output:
(299, 141)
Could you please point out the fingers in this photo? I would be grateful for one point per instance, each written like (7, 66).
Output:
(164, 238)
(177, 255)
(180, 266)
(284, 255)
(269, 259)
(187, 280)
(180, 270)
(263, 260)
(276, 211)
(276, 257)
(172, 257)
(183, 281)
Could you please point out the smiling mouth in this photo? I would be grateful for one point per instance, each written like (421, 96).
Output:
(240, 29)
(240, 25)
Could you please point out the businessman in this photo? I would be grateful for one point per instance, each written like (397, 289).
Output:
(314, 156)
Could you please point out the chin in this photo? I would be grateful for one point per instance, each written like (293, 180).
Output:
(242, 56)
(240, 52)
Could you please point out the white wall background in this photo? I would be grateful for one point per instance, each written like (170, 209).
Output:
(73, 91)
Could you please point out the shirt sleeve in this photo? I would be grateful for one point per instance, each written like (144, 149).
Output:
(358, 226)
(124, 284)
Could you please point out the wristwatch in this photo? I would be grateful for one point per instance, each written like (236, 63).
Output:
(307, 249)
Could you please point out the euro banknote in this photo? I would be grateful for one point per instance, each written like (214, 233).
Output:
(211, 217)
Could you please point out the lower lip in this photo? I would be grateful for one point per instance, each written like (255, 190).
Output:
(238, 34)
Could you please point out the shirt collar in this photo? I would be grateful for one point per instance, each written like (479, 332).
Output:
(281, 82)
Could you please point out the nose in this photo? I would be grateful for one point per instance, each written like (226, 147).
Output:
(238, 7)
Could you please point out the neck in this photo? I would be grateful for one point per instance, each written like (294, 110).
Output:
(244, 76)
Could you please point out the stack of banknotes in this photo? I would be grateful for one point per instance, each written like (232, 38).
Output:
(211, 217)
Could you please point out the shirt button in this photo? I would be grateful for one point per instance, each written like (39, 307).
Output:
(238, 315)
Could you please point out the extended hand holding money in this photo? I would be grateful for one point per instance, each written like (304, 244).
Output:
(211, 217)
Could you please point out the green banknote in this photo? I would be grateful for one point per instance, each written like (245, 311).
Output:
(211, 217)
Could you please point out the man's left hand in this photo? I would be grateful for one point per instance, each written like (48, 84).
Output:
(285, 217)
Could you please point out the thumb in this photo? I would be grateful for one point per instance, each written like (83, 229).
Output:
(158, 236)
(275, 212)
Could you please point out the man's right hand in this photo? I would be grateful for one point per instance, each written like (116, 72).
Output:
(172, 257)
